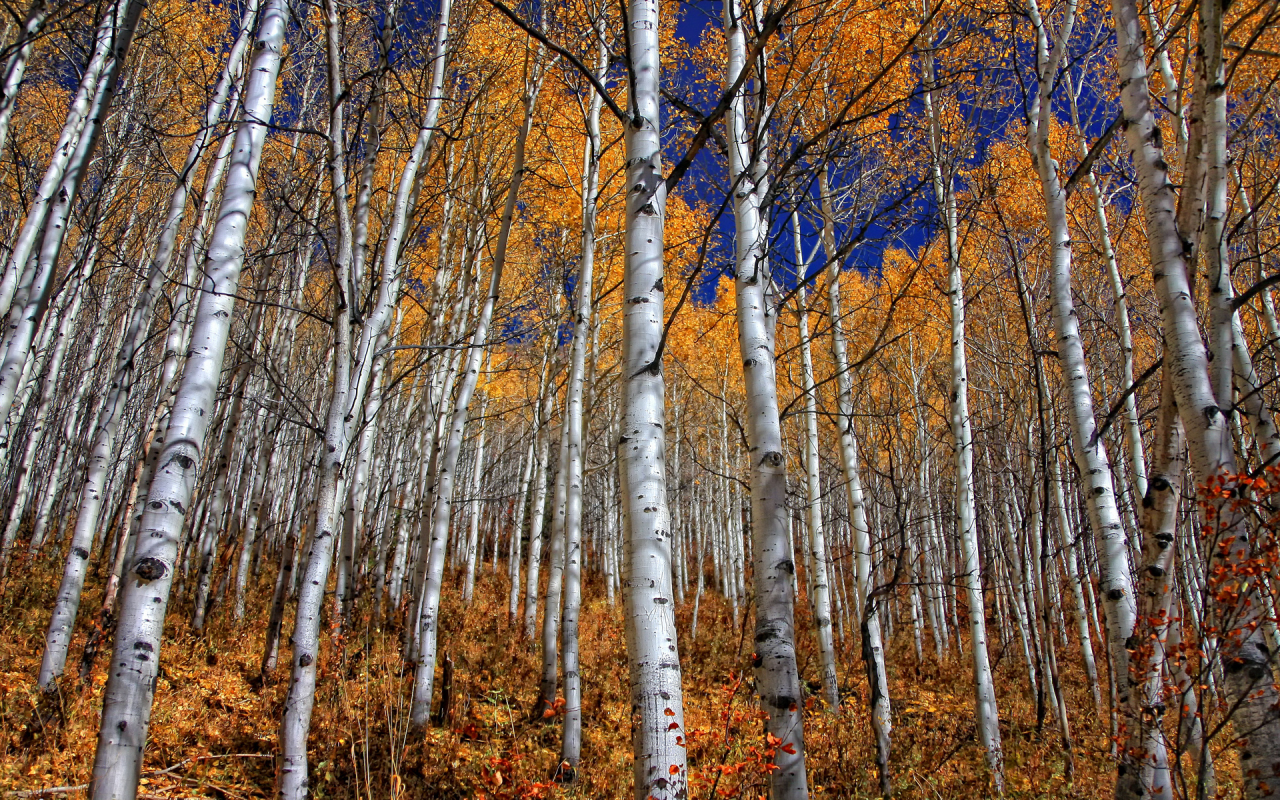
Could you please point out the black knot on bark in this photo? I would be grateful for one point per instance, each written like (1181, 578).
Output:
(150, 569)
(1115, 594)
(184, 461)
(305, 660)
(773, 458)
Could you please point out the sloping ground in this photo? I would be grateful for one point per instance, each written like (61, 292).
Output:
(213, 731)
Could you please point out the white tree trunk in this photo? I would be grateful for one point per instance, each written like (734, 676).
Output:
(32, 296)
(473, 523)
(434, 544)
(962, 436)
(15, 69)
(571, 738)
(131, 683)
(1116, 582)
(656, 699)
(777, 676)
(1249, 678)
(819, 583)
(869, 618)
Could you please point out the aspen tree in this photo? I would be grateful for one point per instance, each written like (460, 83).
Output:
(872, 640)
(131, 683)
(962, 437)
(437, 534)
(15, 69)
(571, 738)
(657, 705)
(819, 588)
(1116, 582)
(1250, 681)
(52, 212)
(109, 418)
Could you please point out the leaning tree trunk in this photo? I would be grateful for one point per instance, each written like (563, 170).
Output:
(108, 423)
(1248, 664)
(130, 685)
(15, 69)
(19, 266)
(36, 285)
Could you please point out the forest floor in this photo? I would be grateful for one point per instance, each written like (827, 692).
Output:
(214, 723)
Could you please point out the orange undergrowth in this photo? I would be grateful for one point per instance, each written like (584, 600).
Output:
(213, 731)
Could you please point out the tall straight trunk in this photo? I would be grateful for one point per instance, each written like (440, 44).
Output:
(1133, 429)
(962, 437)
(522, 497)
(656, 699)
(872, 640)
(131, 683)
(291, 772)
(57, 476)
(438, 534)
(358, 489)
(473, 523)
(268, 455)
(1249, 678)
(555, 579)
(571, 738)
(1145, 768)
(819, 583)
(777, 675)
(537, 515)
(220, 490)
